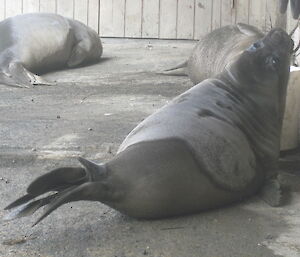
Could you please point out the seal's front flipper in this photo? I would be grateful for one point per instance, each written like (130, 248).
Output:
(271, 193)
(39, 81)
(24, 77)
(18, 80)
(18, 76)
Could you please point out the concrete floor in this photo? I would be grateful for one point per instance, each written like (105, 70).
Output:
(88, 113)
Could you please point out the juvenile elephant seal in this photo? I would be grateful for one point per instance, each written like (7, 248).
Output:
(36, 43)
(216, 50)
(215, 144)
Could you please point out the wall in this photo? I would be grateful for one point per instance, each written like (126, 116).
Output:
(172, 19)
(86, 11)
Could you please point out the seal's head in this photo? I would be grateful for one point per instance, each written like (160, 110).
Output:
(267, 60)
(264, 68)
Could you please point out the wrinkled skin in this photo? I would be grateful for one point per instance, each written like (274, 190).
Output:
(215, 144)
(33, 44)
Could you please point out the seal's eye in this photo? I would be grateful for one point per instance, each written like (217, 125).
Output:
(255, 46)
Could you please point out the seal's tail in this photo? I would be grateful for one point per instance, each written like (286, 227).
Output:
(67, 184)
(179, 70)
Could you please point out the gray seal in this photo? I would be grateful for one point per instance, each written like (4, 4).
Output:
(36, 43)
(216, 50)
(213, 145)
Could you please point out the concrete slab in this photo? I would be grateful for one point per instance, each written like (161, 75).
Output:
(88, 113)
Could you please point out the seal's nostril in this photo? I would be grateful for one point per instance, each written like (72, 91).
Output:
(278, 36)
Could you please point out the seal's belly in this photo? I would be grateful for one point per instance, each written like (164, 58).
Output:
(166, 180)
(44, 41)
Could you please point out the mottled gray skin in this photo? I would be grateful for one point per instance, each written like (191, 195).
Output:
(218, 49)
(36, 43)
(215, 144)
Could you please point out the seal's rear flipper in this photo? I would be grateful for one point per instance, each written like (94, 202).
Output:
(67, 184)
(179, 70)
(61, 181)
(28, 208)
(78, 193)
(271, 193)
(73, 193)
(56, 180)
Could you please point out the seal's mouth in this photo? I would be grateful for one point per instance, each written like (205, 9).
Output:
(276, 38)
(280, 39)
(269, 58)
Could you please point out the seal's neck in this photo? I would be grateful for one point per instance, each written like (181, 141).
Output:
(268, 96)
(260, 108)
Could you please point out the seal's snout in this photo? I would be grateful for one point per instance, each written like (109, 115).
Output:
(279, 39)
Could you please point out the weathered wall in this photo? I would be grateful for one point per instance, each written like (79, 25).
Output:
(86, 11)
(174, 19)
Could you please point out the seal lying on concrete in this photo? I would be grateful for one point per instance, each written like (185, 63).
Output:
(216, 50)
(36, 43)
(215, 144)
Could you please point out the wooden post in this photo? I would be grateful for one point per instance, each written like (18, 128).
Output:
(281, 19)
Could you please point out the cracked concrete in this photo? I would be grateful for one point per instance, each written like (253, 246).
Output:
(88, 113)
